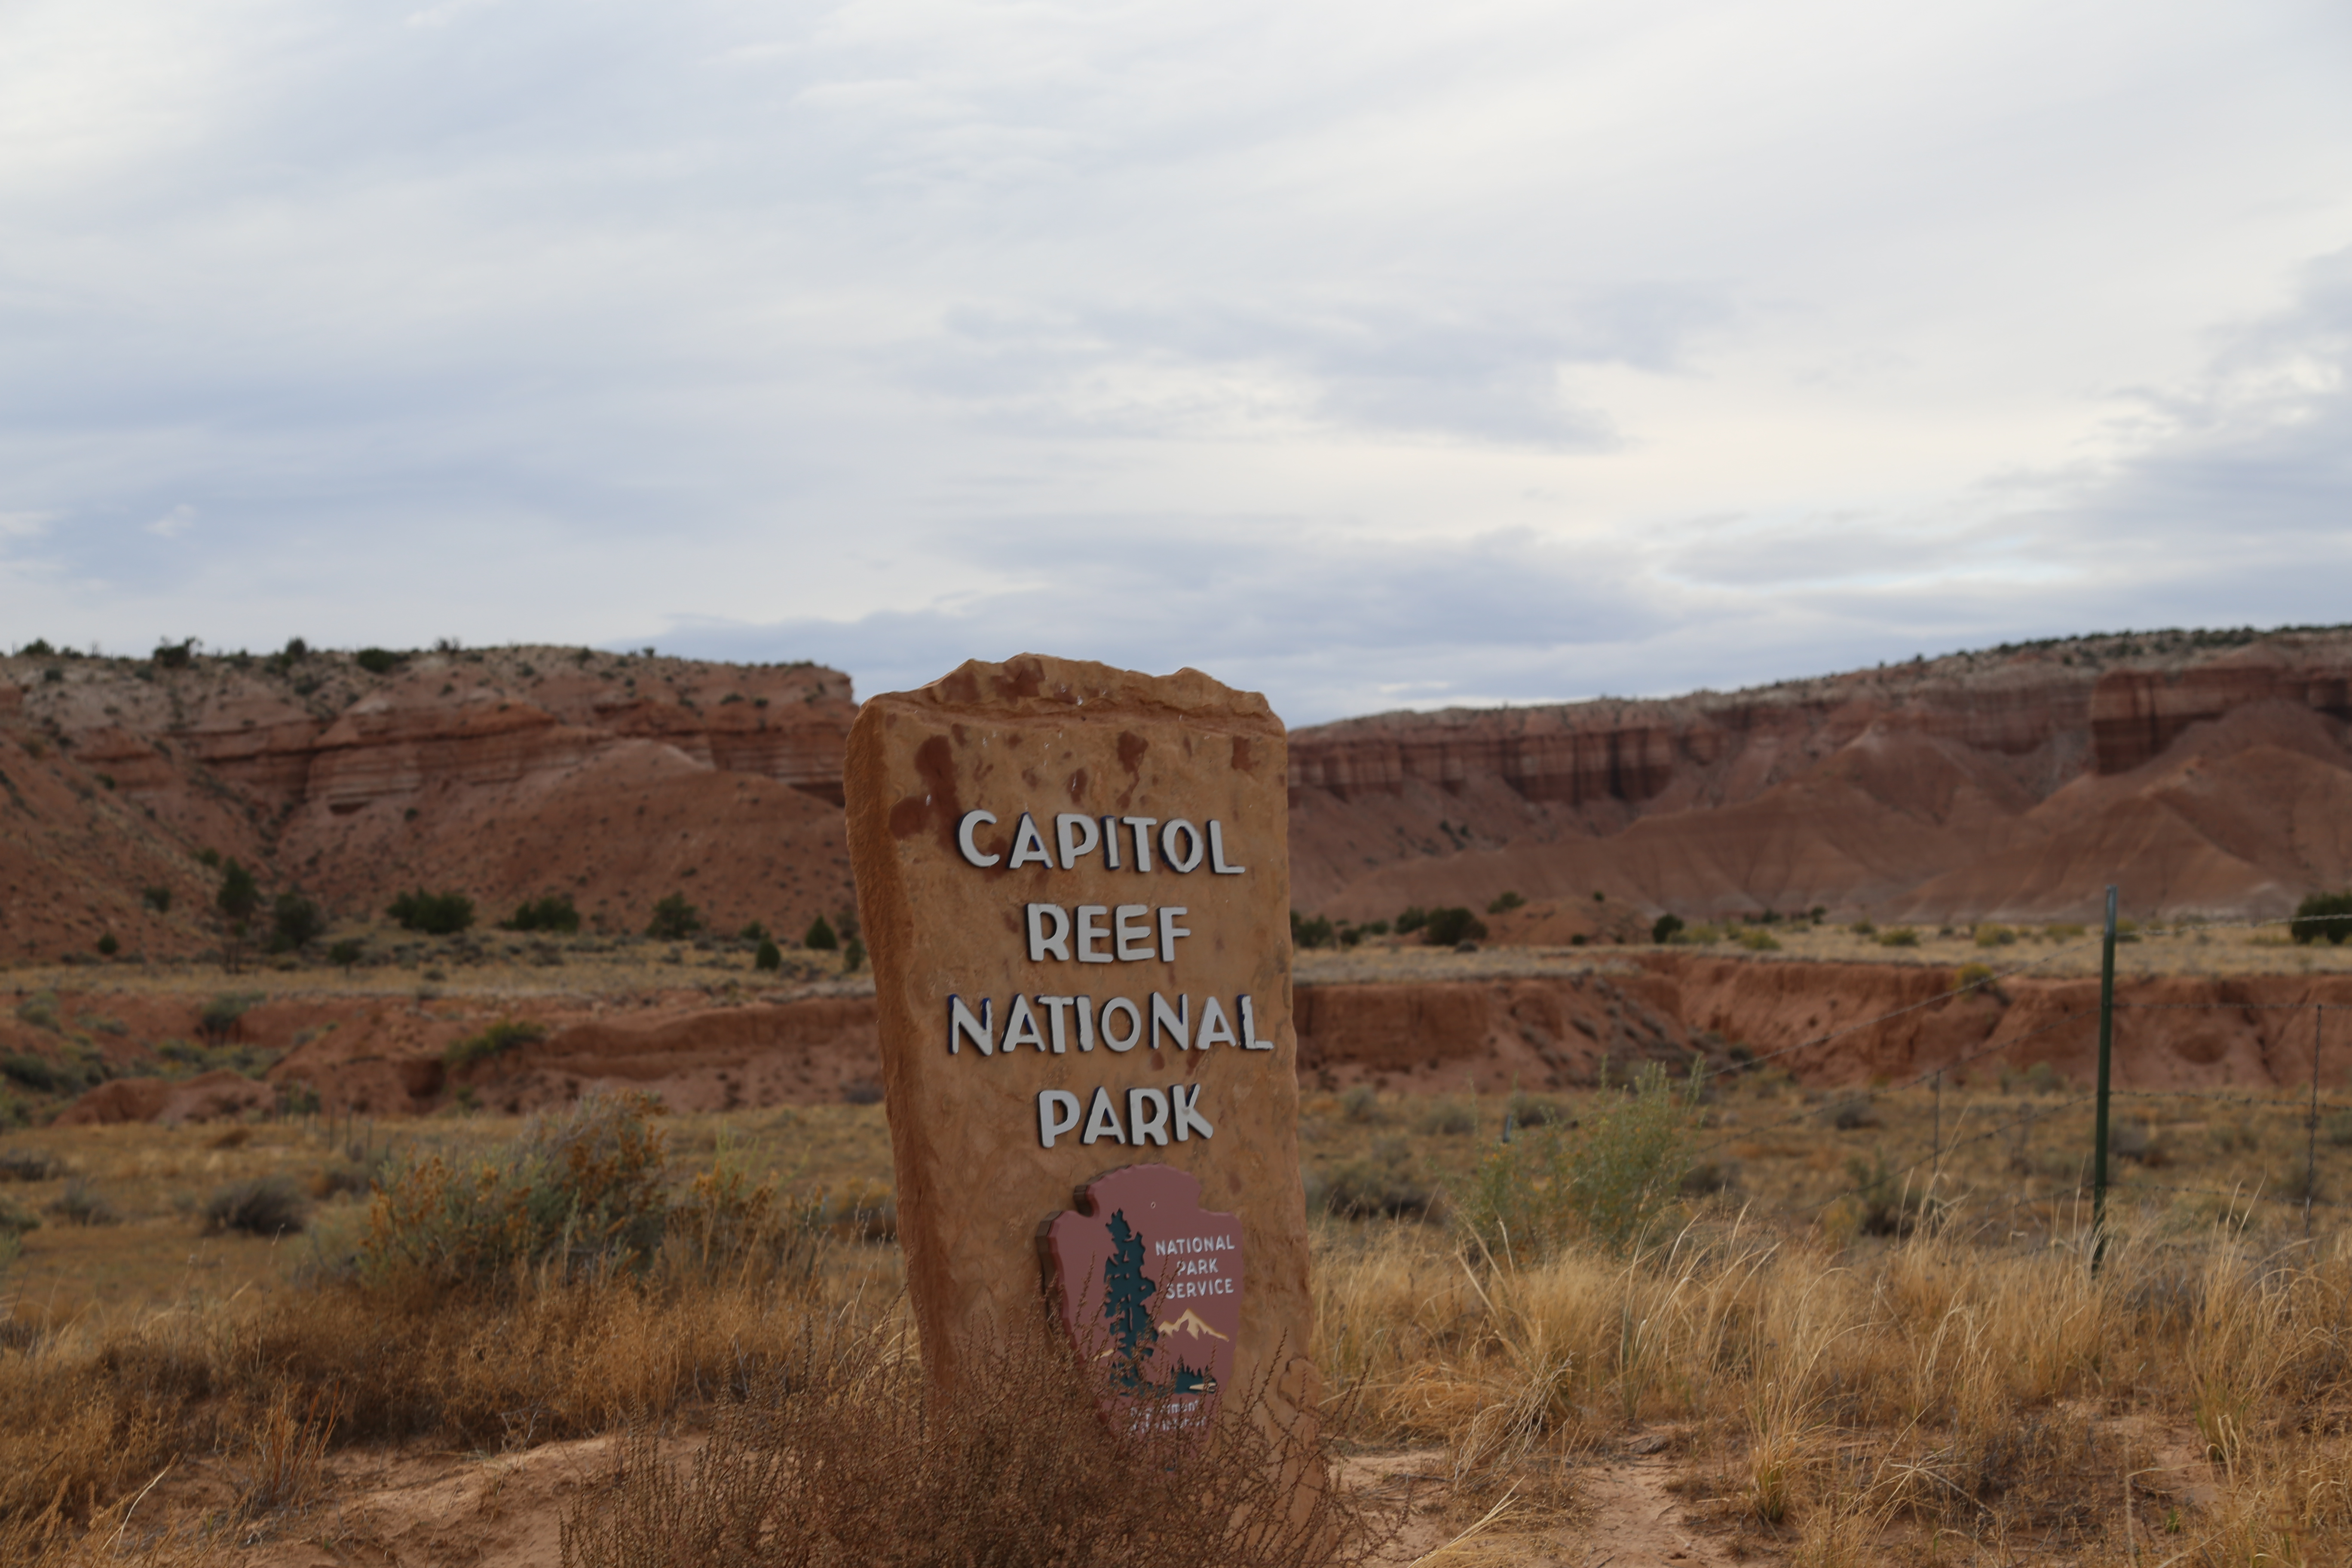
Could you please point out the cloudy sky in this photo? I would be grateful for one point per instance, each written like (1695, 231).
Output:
(1367, 354)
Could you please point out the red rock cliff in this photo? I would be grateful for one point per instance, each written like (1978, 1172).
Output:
(2205, 772)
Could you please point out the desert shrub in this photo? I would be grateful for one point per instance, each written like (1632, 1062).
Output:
(1849, 1113)
(2135, 1141)
(752, 932)
(2238, 1137)
(1382, 1182)
(157, 898)
(820, 936)
(770, 957)
(40, 1010)
(219, 1019)
(1412, 920)
(853, 953)
(1759, 941)
(1708, 1177)
(1523, 1110)
(2338, 1128)
(29, 1166)
(1306, 932)
(1890, 1204)
(1898, 936)
(43, 1076)
(1361, 1104)
(579, 1190)
(1615, 1185)
(107, 946)
(555, 912)
(82, 1204)
(1448, 1118)
(1994, 936)
(175, 655)
(238, 894)
(345, 954)
(2322, 917)
(377, 660)
(1452, 926)
(356, 1171)
(434, 914)
(1972, 974)
(1504, 903)
(1863, 928)
(674, 920)
(500, 1037)
(846, 1454)
(15, 1220)
(295, 922)
(260, 1205)
(1665, 927)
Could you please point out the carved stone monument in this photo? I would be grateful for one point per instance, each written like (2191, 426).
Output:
(1074, 881)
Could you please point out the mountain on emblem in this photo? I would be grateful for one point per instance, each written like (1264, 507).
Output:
(1191, 1323)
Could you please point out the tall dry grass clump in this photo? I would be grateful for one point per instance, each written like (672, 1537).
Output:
(1836, 1399)
(549, 1289)
(847, 1455)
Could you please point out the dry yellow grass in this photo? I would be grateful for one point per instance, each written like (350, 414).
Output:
(1972, 1390)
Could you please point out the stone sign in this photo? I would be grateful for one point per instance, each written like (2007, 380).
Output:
(1074, 882)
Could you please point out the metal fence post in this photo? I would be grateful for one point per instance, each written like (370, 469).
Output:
(2106, 1051)
(2311, 1134)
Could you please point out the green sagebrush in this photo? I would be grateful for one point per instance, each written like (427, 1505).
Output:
(1613, 1181)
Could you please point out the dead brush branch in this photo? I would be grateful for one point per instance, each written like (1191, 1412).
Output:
(286, 1449)
(847, 1455)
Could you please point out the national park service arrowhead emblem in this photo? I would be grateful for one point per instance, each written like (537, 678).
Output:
(1149, 1285)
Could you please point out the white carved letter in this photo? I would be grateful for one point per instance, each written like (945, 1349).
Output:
(1021, 1026)
(1066, 828)
(1169, 930)
(1176, 1020)
(963, 1026)
(1142, 1129)
(1028, 845)
(1091, 930)
(1102, 1118)
(1249, 1042)
(1057, 1112)
(1110, 842)
(1189, 1119)
(1134, 933)
(973, 819)
(1057, 1017)
(1217, 851)
(1213, 1025)
(1042, 940)
(1142, 826)
(1085, 1022)
(1179, 860)
(1134, 1035)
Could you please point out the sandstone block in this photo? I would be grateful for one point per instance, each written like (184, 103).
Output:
(1075, 885)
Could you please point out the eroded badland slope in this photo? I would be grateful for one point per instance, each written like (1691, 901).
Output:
(2207, 774)
(506, 773)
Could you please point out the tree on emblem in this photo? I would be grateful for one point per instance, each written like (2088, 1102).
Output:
(1125, 1292)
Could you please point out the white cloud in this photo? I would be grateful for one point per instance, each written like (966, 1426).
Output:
(1500, 348)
